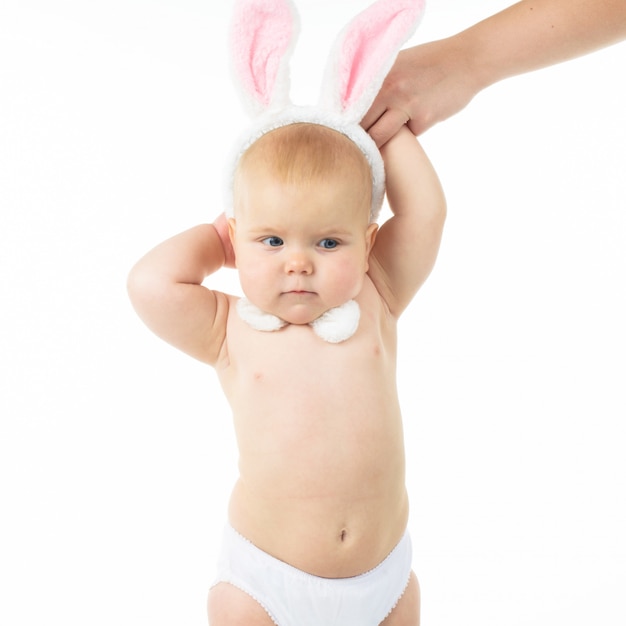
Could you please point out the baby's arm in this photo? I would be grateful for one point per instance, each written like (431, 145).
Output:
(407, 244)
(165, 287)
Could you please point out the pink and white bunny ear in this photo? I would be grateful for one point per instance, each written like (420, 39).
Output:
(364, 53)
(262, 37)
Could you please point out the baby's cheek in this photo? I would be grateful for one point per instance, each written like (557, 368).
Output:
(348, 278)
(253, 280)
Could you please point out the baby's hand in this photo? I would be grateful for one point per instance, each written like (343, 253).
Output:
(221, 226)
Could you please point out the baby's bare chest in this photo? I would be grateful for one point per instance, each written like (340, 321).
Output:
(293, 379)
(294, 359)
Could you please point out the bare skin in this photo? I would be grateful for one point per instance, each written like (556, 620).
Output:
(433, 81)
(318, 425)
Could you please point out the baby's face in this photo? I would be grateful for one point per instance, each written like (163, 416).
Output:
(301, 250)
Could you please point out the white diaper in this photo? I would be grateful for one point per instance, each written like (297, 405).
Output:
(292, 597)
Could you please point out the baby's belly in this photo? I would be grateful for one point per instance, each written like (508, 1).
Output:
(331, 538)
(331, 502)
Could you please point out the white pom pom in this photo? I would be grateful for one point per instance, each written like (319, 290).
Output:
(338, 324)
(258, 319)
(334, 326)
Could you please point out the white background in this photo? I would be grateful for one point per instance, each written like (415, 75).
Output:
(116, 452)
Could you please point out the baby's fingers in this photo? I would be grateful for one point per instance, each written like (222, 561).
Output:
(386, 125)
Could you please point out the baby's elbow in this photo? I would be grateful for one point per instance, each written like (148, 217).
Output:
(140, 287)
(443, 211)
(133, 282)
(134, 288)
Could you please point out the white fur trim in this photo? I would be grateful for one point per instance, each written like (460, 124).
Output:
(311, 115)
(338, 324)
(256, 318)
(334, 326)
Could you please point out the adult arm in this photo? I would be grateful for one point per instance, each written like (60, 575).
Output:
(165, 288)
(407, 244)
(433, 81)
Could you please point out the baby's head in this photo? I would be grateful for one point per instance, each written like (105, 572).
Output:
(305, 155)
(302, 229)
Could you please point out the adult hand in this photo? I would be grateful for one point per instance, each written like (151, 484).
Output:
(427, 84)
(431, 82)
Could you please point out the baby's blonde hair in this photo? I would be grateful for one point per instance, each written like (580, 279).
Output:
(304, 154)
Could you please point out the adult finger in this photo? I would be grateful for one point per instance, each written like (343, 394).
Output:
(387, 125)
(373, 115)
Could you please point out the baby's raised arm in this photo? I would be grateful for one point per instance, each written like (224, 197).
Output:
(165, 287)
(407, 244)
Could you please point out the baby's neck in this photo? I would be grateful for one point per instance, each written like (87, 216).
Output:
(335, 325)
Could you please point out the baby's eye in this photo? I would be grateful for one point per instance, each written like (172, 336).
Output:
(328, 244)
(274, 242)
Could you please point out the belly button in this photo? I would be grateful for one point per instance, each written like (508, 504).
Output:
(344, 533)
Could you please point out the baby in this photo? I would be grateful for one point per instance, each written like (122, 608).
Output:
(316, 532)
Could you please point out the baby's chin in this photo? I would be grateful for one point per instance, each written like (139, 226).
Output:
(297, 308)
(300, 314)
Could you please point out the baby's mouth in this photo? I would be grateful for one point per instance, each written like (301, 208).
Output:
(300, 292)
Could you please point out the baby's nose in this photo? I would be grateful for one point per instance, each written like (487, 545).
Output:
(298, 262)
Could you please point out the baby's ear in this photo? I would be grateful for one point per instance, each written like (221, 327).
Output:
(262, 37)
(370, 236)
(232, 228)
(364, 53)
(223, 229)
(229, 244)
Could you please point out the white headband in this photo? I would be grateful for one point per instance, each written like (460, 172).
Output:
(263, 35)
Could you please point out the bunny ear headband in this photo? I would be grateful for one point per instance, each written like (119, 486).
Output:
(263, 35)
